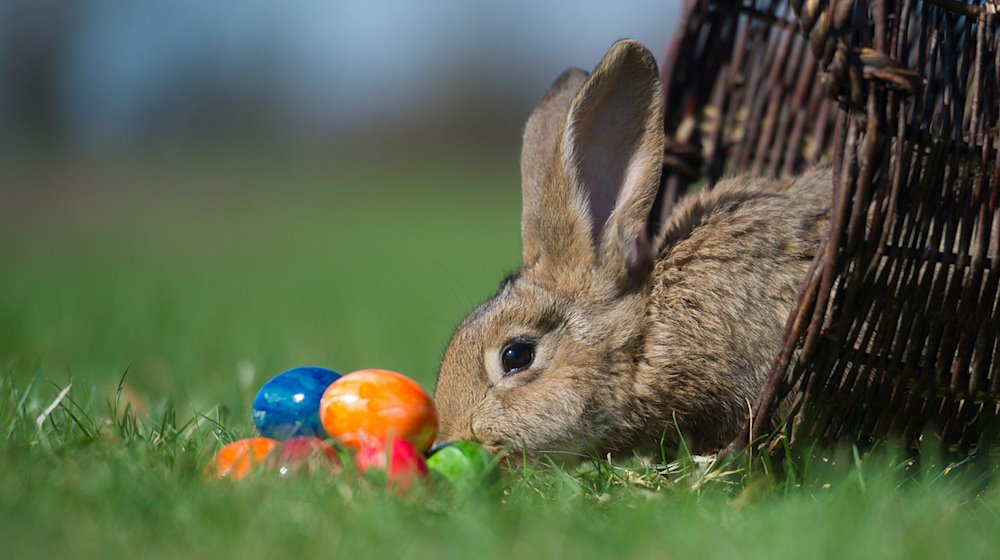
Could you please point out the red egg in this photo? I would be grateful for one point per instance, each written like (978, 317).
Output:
(306, 454)
(378, 405)
(238, 459)
(399, 460)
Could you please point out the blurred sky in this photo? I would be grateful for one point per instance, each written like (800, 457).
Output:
(109, 73)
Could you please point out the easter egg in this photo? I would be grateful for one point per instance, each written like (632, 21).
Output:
(398, 459)
(288, 404)
(303, 454)
(378, 405)
(238, 459)
(461, 462)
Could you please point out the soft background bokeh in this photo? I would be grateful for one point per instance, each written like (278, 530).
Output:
(210, 192)
(107, 74)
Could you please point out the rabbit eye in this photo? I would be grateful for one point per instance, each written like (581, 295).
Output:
(517, 355)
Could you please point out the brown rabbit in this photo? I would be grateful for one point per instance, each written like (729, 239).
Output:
(600, 342)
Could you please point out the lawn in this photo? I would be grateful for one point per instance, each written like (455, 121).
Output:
(162, 292)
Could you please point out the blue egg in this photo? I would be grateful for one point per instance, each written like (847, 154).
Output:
(288, 404)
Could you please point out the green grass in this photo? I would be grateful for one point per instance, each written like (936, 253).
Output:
(203, 281)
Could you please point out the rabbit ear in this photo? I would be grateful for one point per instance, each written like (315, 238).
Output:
(541, 136)
(613, 152)
(600, 186)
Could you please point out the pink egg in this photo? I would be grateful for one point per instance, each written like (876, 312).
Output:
(399, 460)
(307, 454)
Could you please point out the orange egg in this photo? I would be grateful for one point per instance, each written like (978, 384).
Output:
(376, 405)
(237, 459)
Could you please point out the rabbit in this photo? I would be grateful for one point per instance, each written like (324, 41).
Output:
(603, 342)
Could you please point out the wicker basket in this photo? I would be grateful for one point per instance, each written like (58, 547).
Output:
(896, 329)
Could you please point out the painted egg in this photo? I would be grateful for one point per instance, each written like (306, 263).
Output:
(398, 459)
(288, 404)
(303, 454)
(238, 459)
(378, 405)
(462, 462)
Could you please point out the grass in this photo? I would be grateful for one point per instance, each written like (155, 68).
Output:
(201, 281)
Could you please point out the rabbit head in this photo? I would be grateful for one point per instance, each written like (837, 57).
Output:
(547, 363)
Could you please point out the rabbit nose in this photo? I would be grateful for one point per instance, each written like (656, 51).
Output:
(439, 443)
(446, 436)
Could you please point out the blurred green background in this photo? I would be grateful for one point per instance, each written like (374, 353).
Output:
(207, 276)
(209, 193)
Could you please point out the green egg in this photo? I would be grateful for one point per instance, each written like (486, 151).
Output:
(462, 463)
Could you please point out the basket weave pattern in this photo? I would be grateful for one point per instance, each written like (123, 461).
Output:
(897, 326)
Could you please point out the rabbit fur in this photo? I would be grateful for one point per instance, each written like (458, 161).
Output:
(633, 341)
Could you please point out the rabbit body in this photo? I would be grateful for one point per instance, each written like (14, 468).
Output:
(728, 272)
(607, 341)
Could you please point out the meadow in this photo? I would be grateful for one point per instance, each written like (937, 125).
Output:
(142, 304)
